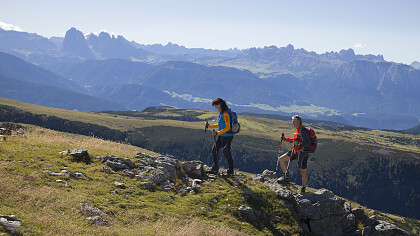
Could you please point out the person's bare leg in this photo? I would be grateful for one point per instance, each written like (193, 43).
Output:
(304, 177)
(283, 162)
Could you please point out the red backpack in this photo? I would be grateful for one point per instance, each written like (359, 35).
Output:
(312, 136)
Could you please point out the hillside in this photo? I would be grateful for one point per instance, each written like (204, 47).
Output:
(347, 160)
(29, 83)
(53, 193)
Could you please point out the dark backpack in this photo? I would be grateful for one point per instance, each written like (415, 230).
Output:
(312, 136)
(235, 127)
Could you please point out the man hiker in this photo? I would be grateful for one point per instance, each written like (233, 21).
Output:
(301, 140)
(225, 136)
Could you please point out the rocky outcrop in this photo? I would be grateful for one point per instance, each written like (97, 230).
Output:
(10, 223)
(74, 42)
(157, 171)
(117, 163)
(322, 213)
(93, 214)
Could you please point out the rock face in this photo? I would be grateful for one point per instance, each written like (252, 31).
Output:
(321, 213)
(157, 171)
(75, 42)
(10, 223)
(117, 163)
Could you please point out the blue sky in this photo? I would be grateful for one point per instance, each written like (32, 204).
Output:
(389, 28)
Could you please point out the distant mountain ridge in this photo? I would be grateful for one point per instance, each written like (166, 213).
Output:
(26, 82)
(17, 68)
(416, 65)
(363, 90)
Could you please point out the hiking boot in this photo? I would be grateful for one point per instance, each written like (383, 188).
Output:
(303, 190)
(284, 180)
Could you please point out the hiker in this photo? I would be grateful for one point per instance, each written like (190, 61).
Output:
(224, 138)
(300, 140)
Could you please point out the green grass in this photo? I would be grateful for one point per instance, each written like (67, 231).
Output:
(47, 207)
(250, 125)
(346, 162)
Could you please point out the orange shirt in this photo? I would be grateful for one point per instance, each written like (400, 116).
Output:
(295, 136)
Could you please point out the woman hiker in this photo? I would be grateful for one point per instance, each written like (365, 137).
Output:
(224, 138)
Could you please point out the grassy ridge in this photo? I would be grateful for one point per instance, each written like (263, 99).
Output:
(350, 163)
(47, 207)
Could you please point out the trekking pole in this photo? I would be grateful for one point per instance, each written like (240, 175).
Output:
(281, 141)
(202, 146)
(287, 169)
(293, 150)
(214, 140)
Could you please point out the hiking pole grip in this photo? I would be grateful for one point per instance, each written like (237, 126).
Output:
(281, 141)
(278, 157)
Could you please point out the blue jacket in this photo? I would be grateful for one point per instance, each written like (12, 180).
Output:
(223, 124)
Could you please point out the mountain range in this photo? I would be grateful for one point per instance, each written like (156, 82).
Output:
(360, 90)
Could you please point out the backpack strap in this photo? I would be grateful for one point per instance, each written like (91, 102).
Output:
(230, 119)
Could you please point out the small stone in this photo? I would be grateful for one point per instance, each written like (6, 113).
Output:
(119, 185)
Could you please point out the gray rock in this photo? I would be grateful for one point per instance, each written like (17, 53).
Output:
(147, 185)
(154, 175)
(97, 220)
(258, 178)
(269, 174)
(65, 152)
(193, 169)
(196, 185)
(352, 219)
(387, 229)
(128, 172)
(79, 153)
(54, 173)
(325, 192)
(168, 168)
(186, 181)
(282, 193)
(347, 207)
(145, 155)
(249, 194)
(117, 163)
(167, 186)
(120, 185)
(327, 226)
(10, 223)
(247, 213)
(317, 206)
(169, 159)
(211, 176)
(146, 159)
(367, 231)
(185, 190)
(79, 175)
(373, 220)
(360, 215)
(107, 171)
(88, 210)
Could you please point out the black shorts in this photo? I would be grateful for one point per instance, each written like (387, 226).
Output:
(302, 159)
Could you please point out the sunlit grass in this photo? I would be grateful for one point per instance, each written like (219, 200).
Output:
(47, 207)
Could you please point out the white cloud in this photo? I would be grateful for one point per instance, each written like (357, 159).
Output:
(6, 26)
(358, 45)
